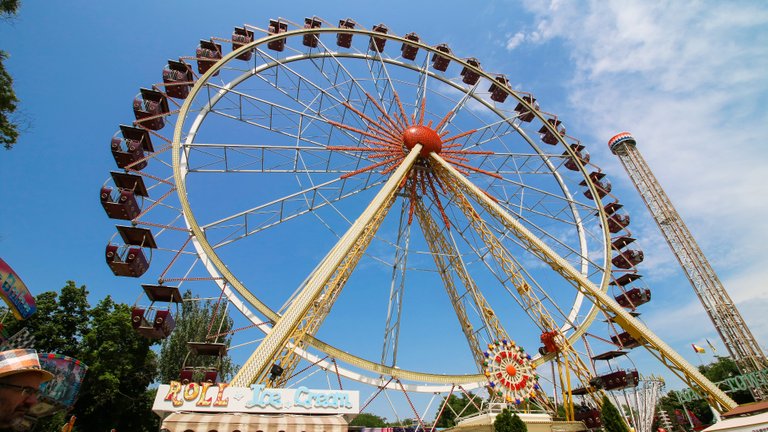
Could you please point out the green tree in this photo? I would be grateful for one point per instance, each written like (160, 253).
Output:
(457, 407)
(9, 131)
(611, 418)
(60, 322)
(9, 7)
(368, 420)
(120, 363)
(121, 366)
(507, 421)
(722, 369)
(192, 324)
(518, 425)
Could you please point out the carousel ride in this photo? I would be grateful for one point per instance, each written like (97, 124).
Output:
(384, 211)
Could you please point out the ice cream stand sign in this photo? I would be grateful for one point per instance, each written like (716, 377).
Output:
(220, 397)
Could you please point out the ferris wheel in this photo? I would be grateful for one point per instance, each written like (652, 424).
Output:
(382, 208)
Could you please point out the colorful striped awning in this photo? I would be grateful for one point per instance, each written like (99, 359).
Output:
(236, 422)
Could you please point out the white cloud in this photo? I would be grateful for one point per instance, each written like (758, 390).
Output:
(515, 40)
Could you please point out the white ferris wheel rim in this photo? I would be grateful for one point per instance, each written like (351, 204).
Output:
(219, 273)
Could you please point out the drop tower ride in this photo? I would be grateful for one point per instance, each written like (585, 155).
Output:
(736, 336)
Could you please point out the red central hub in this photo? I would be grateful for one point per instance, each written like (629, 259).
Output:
(511, 370)
(429, 139)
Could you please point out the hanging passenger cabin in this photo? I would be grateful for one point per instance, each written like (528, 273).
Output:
(612, 380)
(150, 108)
(128, 146)
(628, 259)
(178, 78)
(547, 136)
(625, 340)
(129, 259)
(590, 416)
(122, 203)
(602, 186)
(241, 36)
(616, 380)
(344, 40)
(153, 321)
(207, 53)
(634, 297)
(549, 340)
(498, 94)
(377, 43)
(523, 113)
(616, 221)
(407, 50)
(277, 27)
(311, 39)
(468, 76)
(581, 154)
(441, 62)
(206, 374)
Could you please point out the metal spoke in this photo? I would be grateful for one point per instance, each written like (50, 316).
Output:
(457, 108)
(396, 290)
(421, 96)
(262, 158)
(275, 212)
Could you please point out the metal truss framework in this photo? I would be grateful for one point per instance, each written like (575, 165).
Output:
(734, 332)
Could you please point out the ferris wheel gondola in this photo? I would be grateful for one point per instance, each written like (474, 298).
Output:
(202, 362)
(157, 320)
(132, 256)
(121, 202)
(129, 145)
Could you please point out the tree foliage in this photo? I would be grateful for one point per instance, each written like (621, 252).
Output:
(9, 7)
(457, 407)
(9, 131)
(60, 322)
(722, 369)
(507, 421)
(120, 363)
(120, 367)
(368, 420)
(192, 324)
(611, 418)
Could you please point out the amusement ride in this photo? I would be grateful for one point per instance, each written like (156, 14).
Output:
(385, 211)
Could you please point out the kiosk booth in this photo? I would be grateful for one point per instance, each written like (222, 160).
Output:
(205, 407)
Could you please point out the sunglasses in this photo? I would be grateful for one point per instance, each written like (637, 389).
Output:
(25, 391)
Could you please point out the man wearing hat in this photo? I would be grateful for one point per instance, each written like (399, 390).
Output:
(20, 379)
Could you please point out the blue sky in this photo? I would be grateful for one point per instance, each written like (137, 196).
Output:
(686, 78)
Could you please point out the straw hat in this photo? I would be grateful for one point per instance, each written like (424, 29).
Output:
(18, 361)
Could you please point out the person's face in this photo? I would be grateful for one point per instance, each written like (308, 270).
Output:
(14, 403)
